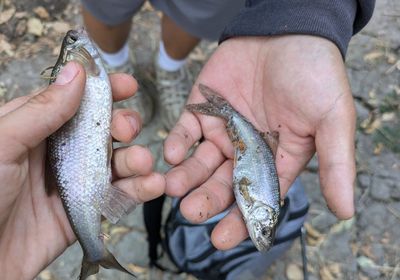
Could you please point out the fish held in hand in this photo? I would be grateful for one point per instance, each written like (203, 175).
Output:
(79, 155)
(255, 179)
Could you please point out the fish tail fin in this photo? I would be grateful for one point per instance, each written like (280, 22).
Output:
(216, 105)
(108, 261)
(116, 204)
(88, 268)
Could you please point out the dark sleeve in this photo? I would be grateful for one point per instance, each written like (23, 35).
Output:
(336, 20)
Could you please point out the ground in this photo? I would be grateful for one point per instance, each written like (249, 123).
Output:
(365, 247)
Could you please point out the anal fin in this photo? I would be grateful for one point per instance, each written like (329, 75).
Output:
(116, 204)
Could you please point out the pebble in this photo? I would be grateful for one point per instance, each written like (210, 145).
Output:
(294, 272)
(381, 189)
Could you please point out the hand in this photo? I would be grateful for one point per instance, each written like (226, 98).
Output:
(292, 84)
(34, 228)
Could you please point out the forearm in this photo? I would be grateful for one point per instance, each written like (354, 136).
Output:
(334, 20)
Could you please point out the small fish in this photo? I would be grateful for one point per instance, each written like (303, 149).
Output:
(255, 180)
(79, 155)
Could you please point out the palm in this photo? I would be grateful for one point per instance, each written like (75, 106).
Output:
(278, 85)
(34, 228)
(32, 215)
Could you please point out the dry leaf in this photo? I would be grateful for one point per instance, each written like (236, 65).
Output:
(335, 270)
(162, 133)
(378, 148)
(41, 12)
(20, 15)
(60, 26)
(6, 15)
(6, 47)
(35, 26)
(312, 231)
(364, 261)
(294, 272)
(326, 274)
(46, 275)
(370, 57)
(372, 126)
(136, 269)
(389, 116)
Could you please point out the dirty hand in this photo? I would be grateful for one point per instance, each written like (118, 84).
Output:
(292, 84)
(34, 228)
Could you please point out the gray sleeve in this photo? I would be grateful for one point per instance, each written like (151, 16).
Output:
(336, 20)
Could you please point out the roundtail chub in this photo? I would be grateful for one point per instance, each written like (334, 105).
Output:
(79, 157)
(255, 179)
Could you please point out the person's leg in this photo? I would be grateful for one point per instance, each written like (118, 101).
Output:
(109, 38)
(177, 42)
(108, 23)
(184, 24)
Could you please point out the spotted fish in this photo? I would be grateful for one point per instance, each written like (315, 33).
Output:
(255, 180)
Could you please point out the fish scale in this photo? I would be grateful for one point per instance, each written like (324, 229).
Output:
(79, 155)
(255, 179)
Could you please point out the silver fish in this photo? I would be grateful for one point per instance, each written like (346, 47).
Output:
(79, 155)
(255, 180)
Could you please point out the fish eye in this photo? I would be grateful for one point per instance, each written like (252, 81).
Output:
(72, 37)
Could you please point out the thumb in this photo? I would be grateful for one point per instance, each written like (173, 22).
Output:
(336, 157)
(27, 126)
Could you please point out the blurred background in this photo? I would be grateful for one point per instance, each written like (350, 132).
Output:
(365, 247)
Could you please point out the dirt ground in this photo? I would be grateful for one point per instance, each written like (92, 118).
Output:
(365, 247)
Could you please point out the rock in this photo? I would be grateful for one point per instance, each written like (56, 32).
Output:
(41, 12)
(294, 272)
(395, 193)
(364, 180)
(381, 189)
(323, 221)
(35, 26)
(6, 15)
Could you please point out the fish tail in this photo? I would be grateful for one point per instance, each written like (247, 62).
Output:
(108, 261)
(215, 105)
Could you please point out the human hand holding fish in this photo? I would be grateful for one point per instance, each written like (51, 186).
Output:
(292, 84)
(34, 228)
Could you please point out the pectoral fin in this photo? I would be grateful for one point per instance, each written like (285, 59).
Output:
(116, 204)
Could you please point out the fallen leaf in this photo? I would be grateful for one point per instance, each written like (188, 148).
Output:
(21, 27)
(372, 56)
(370, 127)
(335, 270)
(46, 275)
(389, 116)
(326, 274)
(20, 15)
(378, 148)
(60, 26)
(365, 262)
(6, 47)
(41, 12)
(162, 133)
(136, 269)
(35, 26)
(294, 272)
(6, 15)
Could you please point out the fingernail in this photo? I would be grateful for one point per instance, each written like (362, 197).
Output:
(135, 124)
(67, 74)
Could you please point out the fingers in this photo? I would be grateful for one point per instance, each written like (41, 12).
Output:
(230, 231)
(132, 161)
(194, 170)
(142, 188)
(43, 114)
(125, 125)
(186, 132)
(336, 157)
(123, 86)
(211, 198)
